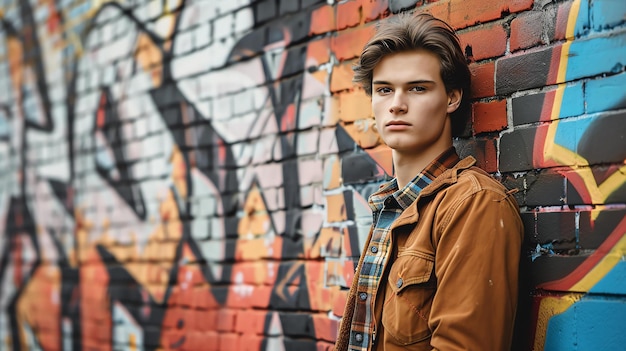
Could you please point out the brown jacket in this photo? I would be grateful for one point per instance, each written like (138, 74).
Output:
(452, 281)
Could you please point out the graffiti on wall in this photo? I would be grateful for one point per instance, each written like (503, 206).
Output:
(194, 174)
(166, 185)
(577, 140)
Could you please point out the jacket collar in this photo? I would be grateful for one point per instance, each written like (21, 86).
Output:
(448, 177)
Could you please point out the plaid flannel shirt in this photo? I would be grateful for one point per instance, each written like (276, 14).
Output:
(387, 204)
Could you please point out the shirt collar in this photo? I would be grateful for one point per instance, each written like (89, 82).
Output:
(407, 195)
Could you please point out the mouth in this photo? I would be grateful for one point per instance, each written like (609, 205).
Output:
(397, 123)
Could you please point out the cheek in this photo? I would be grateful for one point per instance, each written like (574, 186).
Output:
(377, 106)
(432, 108)
(379, 125)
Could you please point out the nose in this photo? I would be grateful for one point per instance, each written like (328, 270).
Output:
(398, 104)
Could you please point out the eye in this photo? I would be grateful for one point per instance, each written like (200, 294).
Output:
(417, 89)
(383, 90)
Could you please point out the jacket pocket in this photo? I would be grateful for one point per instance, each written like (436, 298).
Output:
(408, 299)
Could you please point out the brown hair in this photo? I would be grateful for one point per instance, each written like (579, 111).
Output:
(405, 32)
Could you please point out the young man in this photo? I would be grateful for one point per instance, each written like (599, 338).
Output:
(439, 268)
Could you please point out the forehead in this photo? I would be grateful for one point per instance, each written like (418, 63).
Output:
(408, 65)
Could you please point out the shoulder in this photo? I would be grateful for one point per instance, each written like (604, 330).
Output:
(476, 179)
(478, 198)
(475, 185)
(473, 180)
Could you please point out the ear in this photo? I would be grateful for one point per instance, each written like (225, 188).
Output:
(454, 100)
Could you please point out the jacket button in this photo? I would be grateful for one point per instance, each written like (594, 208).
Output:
(363, 296)
(358, 337)
(374, 249)
(399, 283)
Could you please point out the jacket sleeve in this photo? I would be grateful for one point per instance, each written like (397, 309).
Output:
(478, 243)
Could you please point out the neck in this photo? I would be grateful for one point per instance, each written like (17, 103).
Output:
(409, 165)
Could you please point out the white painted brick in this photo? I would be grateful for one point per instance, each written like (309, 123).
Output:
(107, 75)
(118, 49)
(202, 35)
(123, 27)
(106, 15)
(243, 154)
(141, 170)
(263, 149)
(310, 114)
(244, 102)
(204, 108)
(155, 8)
(193, 63)
(270, 175)
(310, 171)
(222, 108)
(106, 32)
(226, 6)
(261, 97)
(244, 20)
(223, 26)
(200, 228)
(141, 127)
(138, 84)
(308, 142)
(183, 42)
(220, 51)
(328, 142)
(93, 39)
(133, 149)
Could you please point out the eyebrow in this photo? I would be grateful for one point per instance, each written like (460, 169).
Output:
(407, 83)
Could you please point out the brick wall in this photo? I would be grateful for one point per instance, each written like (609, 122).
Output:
(193, 175)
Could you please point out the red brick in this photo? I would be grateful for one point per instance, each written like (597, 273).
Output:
(324, 346)
(526, 31)
(348, 44)
(439, 9)
(49, 340)
(340, 302)
(484, 149)
(202, 297)
(325, 328)
(485, 41)
(193, 341)
(250, 322)
(348, 14)
(206, 320)
(240, 297)
(354, 105)
(483, 79)
(96, 345)
(464, 13)
(189, 319)
(489, 116)
(562, 16)
(341, 77)
(228, 342)
(487, 156)
(174, 296)
(172, 316)
(226, 320)
(210, 341)
(317, 52)
(186, 297)
(322, 20)
(261, 296)
(373, 9)
(382, 156)
(249, 342)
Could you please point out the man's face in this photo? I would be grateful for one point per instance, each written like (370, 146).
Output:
(410, 103)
